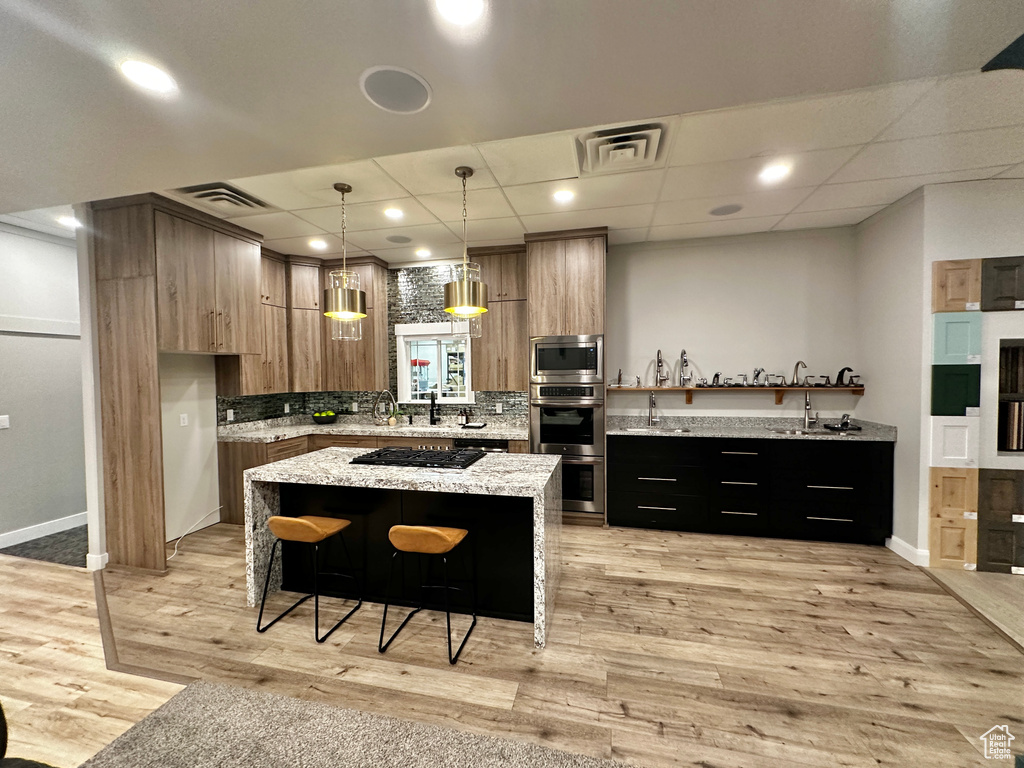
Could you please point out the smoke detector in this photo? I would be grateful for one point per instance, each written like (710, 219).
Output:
(620, 149)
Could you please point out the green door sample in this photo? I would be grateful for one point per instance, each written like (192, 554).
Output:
(955, 388)
(957, 338)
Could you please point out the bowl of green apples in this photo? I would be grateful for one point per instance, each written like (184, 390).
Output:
(325, 417)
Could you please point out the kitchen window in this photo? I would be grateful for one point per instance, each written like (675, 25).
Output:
(434, 357)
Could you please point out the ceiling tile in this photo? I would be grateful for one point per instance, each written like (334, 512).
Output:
(407, 255)
(424, 173)
(819, 219)
(623, 236)
(755, 204)
(738, 176)
(531, 158)
(364, 216)
(481, 204)
(625, 217)
(713, 228)
(299, 246)
(489, 229)
(314, 187)
(858, 194)
(1016, 172)
(606, 191)
(43, 220)
(963, 103)
(837, 120)
(274, 226)
(935, 154)
(425, 235)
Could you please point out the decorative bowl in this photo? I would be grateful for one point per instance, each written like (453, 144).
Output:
(325, 419)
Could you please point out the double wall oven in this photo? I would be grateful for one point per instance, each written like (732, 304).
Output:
(567, 414)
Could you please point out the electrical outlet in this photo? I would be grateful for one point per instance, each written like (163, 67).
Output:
(497, 407)
(5, 422)
(231, 414)
(183, 420)
(354, 408)
(287, 408)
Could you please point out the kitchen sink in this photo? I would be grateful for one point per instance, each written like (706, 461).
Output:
(809, 432)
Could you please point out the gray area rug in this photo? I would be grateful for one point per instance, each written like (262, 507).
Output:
(208, 724)
(66, 548)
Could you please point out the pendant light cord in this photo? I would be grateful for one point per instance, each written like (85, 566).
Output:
(465, 236)
(344, 247)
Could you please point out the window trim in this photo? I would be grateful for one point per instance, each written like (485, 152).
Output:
(424, 332)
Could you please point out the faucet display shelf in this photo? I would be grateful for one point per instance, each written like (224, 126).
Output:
(780, 392)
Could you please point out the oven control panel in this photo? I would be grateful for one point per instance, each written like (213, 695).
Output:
(566, 391)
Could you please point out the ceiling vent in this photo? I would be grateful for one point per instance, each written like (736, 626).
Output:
(620, 149)
(222, 198)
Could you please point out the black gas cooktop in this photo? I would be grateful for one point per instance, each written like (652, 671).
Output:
(455, 458)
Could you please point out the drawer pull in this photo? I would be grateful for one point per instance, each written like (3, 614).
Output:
(660, 509)
(739, 453)
(748, 514)
(659, 479)
(833, 487)
(832, 519)
(736, 482)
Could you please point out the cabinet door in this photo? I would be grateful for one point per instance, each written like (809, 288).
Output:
(186, 275)
(1002, 283)
(953, 517)
(273, 282)
(1001, 521)
(955, 388)
(239, 280)
(305, 286)
(304, 350)
(584, 286)
(513, 276)
(957, 338)
(546, 287)
(515, 346)
(490, 273)
(488, 358)
(275, 354)
(955, 284)
(232, 460)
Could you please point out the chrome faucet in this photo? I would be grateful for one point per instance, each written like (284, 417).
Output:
(757, 373)
(807, 411)
(651, 404)
(389, 406)
(796, 373)
(684, 380)
(715, 378)
(661, 377)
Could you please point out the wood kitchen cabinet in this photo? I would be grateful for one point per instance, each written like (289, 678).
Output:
(234, 458)
(953, 517)
(955, 285)
(500, 355)
(274, 281)
(566, 282)
(275, 351)
(1002, 283)
(503, 269)
(304, 286)
(359, 365)
(304, 350)
(239, 276)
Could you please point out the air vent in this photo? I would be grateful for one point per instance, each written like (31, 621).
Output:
(620, 149)
(222, 198)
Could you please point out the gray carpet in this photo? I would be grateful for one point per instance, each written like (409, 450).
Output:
(218, 725)
(66, 548)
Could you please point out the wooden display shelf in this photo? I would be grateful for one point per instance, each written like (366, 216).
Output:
(780, 392)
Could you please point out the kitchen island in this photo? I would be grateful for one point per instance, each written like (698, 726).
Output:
(511, 504)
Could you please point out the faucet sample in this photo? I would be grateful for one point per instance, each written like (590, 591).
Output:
(742, 383)
(796, 373)
(684, 380)
(840, 380)
(661, 377)
(755, 382)
(651, 418)
(434, 417)
(389, 407)
(715, 378)
(807, 411)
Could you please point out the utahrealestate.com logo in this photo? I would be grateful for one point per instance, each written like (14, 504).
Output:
(997, 743)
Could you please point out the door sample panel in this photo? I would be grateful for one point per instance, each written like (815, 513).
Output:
(956, 338)
(953, 517)
(1002, 283)
(954, 441)
(955, 388)
(1001, 520)
(955, 284)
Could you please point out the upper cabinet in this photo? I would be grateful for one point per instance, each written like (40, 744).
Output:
(566, 282)
(503, 269)
(274, 292)
(1002, 283)
(359, 365)
(956, 285)
(304, 286)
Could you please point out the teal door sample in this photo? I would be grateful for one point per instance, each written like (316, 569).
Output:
(955, 388)
(957, 338)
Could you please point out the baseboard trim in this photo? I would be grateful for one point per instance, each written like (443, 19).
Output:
(911, 554)
(22, 535)
(97, 562)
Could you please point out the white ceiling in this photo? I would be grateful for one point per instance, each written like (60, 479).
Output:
(271, 86)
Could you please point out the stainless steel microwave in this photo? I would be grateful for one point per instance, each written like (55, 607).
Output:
(567, 360)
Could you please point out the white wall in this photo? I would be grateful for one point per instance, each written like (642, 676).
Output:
(191, 491)
(42, 454)
(734, 303)
(893, 305)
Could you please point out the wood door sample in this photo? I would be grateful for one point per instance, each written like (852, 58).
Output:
(185, 287)
(305, 286)
(515, 347)
(584, 285)
(273, 277)
(956, 338)
(487, 374)
(275, 351)
(1001, 520)
(1002, 283)
(304, 350)
(546, 287)
(239, 281)
(953, 517)
(513, 276)
(955, 388)
(955, 284)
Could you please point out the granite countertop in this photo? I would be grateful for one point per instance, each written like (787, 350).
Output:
(499, 474)
(273, 430)
(746, 427)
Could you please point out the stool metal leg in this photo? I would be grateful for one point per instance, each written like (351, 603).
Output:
(316, 594)
(266, 586)
(381, 645)
(448, 615)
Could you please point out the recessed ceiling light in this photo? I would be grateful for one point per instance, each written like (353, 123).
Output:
(460, 12)
(774, 172)
(318, 245)
(149, 77)
(423, 252)
(726, 210)
(393, 213)
(564, 195)
(394, 89)
(69, 221)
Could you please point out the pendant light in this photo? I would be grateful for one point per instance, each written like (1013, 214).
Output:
(465, 297)
(344, 303)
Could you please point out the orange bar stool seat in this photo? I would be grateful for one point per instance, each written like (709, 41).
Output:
(314, 531)
(429, 541)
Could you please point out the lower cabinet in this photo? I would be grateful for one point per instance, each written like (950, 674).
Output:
(825, 490)
(234, 458)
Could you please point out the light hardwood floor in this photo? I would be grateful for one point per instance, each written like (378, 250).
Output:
(999, 597)
(668, 649)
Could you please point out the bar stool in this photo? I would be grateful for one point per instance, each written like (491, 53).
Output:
(308, 529)
(427, 540)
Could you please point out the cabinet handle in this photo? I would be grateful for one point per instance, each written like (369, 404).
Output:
(832, 519)
(833, 487)
(220, 324)
(736, 482)
(739, 453)
(748, 514)
(660, 509)
(213, 330)
(659, 479)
